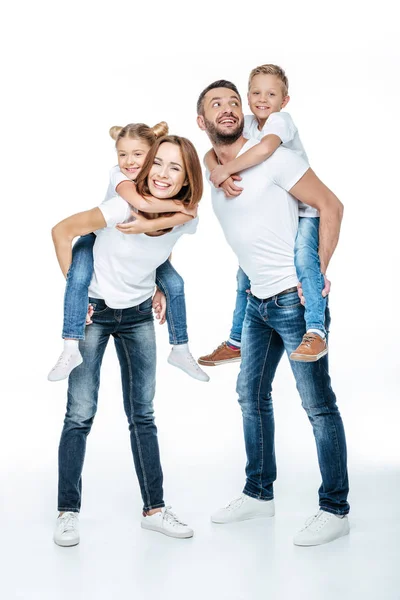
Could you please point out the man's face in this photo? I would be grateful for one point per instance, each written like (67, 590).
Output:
(223, 116)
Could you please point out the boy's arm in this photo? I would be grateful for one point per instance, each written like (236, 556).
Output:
(256, 155)
(143, 225)
(310, 190)
(127, 190)
(210, 160)
(64, 232)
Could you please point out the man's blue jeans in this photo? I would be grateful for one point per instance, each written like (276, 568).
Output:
(134, 339)
(78, 281)
(272, 327)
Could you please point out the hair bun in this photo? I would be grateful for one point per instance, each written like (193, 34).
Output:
(115, 131)
(160, 129)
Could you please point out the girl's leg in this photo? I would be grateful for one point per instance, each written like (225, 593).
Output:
(75, 307)
(171, 284)
(308, 270)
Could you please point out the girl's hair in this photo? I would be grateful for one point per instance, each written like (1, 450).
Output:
(191, 193)
(139, 131)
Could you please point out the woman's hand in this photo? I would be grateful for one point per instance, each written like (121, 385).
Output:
(230, 188)
(218, 175)
(139, 225)
(191, 212)
(325, 291)
(160, 306)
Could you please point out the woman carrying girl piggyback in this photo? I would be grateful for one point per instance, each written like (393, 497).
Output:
(132, 144)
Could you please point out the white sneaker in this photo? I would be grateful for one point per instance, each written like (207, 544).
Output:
(244, 508)
(186, 362)
(167, 522)
(65, 364)
(66, 532)
(322, 528)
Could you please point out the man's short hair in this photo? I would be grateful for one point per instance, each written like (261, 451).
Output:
(221, 83)
(271, 70)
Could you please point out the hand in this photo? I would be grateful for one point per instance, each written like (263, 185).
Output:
(231, 190)
(191, 212)
(89, 315)
(139, 225)
(325, 291)
(160, 306)
(218, 175)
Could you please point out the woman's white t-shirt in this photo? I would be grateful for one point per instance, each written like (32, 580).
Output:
(125, 264)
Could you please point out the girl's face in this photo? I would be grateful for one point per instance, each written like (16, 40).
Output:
(131, 155)
(167, 175)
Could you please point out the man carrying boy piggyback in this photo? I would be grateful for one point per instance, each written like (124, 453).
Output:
(267, 96)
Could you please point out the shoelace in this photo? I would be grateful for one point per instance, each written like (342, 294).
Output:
(193, 362)
(219, 348)
(308, 338)
(68, 521)
(315, 518)
(171, 517)
(62, 361)
(236, 503)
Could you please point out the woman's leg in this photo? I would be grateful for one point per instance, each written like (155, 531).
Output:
(171, 284)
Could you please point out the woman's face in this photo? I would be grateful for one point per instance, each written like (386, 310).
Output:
(131, 155)
(167, 175)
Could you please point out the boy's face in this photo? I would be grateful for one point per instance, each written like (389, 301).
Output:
(265, 96)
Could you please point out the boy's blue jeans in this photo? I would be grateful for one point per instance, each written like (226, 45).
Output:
(272, 327)
(306, 260)
(134, 339)
(78, 281)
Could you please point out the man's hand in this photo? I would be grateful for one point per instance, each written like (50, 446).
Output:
(218, 175)
(89, 315)
(325, 291)
(160, 306)
(230, 188)
(139, 225)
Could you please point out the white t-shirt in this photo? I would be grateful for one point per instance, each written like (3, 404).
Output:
(125, 265)
(280, 124)
(261, 224)
(116, 176)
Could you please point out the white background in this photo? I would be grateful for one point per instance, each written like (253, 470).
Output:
(69, 73)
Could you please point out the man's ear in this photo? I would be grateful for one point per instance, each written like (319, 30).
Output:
(285, 101)
(201, 122)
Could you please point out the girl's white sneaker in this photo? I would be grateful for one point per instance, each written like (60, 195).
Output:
(67, 362)
(167, 522)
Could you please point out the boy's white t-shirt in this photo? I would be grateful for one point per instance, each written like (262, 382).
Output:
(125, 265)
(280, 124)
(261, 223)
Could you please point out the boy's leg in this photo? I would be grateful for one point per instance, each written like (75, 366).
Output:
(172, 285)
(229, 351)
(307, 263)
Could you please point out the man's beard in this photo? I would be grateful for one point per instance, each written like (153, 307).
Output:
(220, 139)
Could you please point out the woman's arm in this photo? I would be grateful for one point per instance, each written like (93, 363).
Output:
(127, 190)
(143, 225)
(64, 232)
(256, 155)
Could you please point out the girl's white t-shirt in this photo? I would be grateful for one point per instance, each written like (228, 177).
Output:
(116, 176)
(282, 125)
(125, 265)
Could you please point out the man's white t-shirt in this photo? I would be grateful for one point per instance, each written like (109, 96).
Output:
(282, 125)
(261, 224)
(125, 265)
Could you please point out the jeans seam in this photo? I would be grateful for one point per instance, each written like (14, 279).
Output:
(337, 446)
(258, 407)
(152, 506)
(140, 454)
(169, 312)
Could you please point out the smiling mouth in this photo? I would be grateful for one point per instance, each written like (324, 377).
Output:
(161, 185)
(229, 121)
(131, 169)
(263, 107)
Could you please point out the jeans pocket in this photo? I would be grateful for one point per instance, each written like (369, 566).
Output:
(146, 307)
(288, 300)
(99, 306)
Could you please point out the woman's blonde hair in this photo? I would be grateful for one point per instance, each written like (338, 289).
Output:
(191, 192)
(139, 131)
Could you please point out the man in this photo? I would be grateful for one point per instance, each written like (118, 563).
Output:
(260, 225)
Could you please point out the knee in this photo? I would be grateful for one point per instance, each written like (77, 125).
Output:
(80, 275)
(175, 285)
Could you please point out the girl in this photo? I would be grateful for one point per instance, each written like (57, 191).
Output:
(132, 143)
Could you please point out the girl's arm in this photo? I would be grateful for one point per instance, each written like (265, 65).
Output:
(64, 232)
(127, 190)
(256, 155)
(143, 225)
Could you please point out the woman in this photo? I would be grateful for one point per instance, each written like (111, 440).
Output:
(121, 294)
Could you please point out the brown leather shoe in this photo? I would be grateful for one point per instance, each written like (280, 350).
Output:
(223, 354)
(311, 349)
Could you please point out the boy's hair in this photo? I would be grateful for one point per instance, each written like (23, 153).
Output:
(221, 83)
(139, 131)
(271, 70)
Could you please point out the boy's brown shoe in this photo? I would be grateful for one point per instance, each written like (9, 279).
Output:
(312, 348)
(223, 354)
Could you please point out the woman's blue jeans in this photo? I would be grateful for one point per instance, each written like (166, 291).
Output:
(78, 281)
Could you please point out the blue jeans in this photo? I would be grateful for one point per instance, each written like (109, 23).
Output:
(271, 327)
(134, 339)
(306, 260)
(243, 284)
(78, 281)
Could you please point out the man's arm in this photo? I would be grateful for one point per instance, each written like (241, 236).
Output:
(64, 232)
(310, 190)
